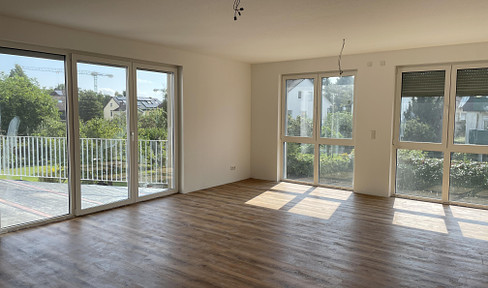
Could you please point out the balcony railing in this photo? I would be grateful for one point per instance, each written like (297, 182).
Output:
(101, 160)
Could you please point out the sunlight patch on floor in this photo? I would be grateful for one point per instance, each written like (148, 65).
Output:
(469, 213)
(292, 187)
(307, 200)
(420, 222)
(317, 208)
(272, 200)
(419, 206)
(475, 231)
(331, 193)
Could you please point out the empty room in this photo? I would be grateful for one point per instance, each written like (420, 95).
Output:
(240, 143)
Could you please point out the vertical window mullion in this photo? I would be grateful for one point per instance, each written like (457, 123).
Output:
(449, 111)
(316, 117)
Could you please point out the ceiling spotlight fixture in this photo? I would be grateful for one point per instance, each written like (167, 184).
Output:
(237, 9)
(339, 61)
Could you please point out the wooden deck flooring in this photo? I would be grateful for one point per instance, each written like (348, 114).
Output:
(256, 234)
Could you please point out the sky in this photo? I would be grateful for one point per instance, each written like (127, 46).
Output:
(147, 81)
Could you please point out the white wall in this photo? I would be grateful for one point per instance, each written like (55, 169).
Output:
(216, 98)
(375, 91)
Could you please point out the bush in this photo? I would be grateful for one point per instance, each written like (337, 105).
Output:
(300, 163)
(416, 170)
(469, 174)
(336, 163)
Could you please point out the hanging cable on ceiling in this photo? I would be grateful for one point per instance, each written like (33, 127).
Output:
(339, 61)
(237, 9)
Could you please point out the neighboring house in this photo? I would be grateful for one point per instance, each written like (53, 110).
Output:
(300, 98)
(60, 97)
(114, 106)
(118, 105)
(147, 103)
(473, 111)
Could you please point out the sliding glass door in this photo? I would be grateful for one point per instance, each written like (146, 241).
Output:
(126, 118)
(317, 129)
(101, 88)
(155, 130)
(80, 134)
(33, 137)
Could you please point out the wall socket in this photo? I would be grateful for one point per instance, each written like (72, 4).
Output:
(233, 167)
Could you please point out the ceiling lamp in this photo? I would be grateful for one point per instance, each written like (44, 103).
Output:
(237, 9)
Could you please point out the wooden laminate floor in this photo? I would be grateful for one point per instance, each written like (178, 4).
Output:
(256, 234)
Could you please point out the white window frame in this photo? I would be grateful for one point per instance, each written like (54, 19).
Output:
(315, 140)
(172, 126)
(33, 51)
(447, 145)
(83, 58)
(71, 58)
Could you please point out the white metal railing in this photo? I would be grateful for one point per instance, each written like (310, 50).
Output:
(101, 160)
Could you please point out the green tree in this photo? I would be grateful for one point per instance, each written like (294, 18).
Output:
(90, 105)
(18, 71)
(51, 128)
(152, 125)
(423, 119)
(100, 128)
(339, 93)
(21, 96)
(338, 125)
(299, 126)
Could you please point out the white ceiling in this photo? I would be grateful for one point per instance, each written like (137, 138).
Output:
(269, 30)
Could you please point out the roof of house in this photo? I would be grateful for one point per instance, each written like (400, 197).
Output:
(143, 103)
(292, 84)
(146, 103)
(476, 104)
(58, 93)
(60, 97)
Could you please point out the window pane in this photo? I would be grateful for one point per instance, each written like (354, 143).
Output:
(102, 109)
(153, 122)
(33, 143)
(469, 178)
(336, 165)
(419, 173)
(422, 106)
(337, 107)
(298, 161)
(299, 107)
(471, 125)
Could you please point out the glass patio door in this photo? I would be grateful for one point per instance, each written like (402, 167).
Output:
(80, 134)
(103, 148)
(155, 130)
(33, 138)
(126, 123)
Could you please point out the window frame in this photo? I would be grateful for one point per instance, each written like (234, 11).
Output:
(97, 60)
(172, 125)
(70, 57)
(316, 139)
(35, 51)
(447, 146)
